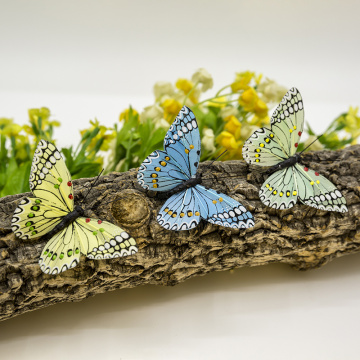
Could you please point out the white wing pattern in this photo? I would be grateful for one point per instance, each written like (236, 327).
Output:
(51, 184)
(267, 147)
(95, 238)
(271, 147)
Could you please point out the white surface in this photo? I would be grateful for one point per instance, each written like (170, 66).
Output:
(88, 59)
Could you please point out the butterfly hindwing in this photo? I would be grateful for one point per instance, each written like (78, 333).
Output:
(182, 141)
(180, 212)
(287, 121)
(160, 172)
(279, 191)
(49, 177)
(61, 252)
(317, 191)
(35, 217)
(220, 209)
(103, 240)
(263, 149)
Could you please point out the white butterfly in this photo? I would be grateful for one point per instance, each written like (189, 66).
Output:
(289, 180)
(51, 214)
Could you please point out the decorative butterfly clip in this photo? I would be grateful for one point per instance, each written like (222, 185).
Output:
(52, 214)
(174, 170)
(289, 180)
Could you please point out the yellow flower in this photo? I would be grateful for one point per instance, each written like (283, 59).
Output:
(186, 86)
(28, 129)
(125, 114)
(352, 121)
(102, 135)
(242, 81)
(260, 108)
(35, 114)
(227, 140)
(9, 128)
(201, 76)
(162, 88)
(260, 121)
(171, 109)
(4, 122)
(248, 99)
(208, 140)
(21, 143)
(233, 126)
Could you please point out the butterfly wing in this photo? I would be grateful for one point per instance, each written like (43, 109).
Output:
(279, 191)
(94, 238)
(103, 240)
(61, 252)
(35, 217)
(49, 177)
(182, 141)
(164, 170)
(50, 182)
(262, 148)
(287, 121)
(220, 209)
(269, 147)
(180, 212)
(317, 191)
(159, 172)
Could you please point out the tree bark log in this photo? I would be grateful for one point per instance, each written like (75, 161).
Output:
(303, 237)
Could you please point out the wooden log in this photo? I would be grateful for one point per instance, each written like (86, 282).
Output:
(302, 237)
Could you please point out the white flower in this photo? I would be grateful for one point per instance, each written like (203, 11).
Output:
(228, 111)
(162, 88)
(153, 112)
(247, 130)
(201, 76)
(208, 140)
(317, 145)
(271, 91)
(161, 123)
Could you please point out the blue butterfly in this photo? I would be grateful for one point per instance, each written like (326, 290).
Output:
(174, 170)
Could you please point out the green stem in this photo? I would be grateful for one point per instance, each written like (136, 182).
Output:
(222, 89)
(215, 97)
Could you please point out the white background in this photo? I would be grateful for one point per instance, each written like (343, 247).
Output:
(87, 59)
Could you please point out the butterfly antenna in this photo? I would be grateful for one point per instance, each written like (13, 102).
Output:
(92, 185)
(312, 143)
(218, 157)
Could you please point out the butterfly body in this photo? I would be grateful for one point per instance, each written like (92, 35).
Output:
(289, 181)
(174, 172)
(65, 222)
(291, 161)
(51, 214)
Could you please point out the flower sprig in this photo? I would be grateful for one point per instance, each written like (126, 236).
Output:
(226, 120)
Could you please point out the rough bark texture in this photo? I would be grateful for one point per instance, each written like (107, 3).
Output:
(303, 237)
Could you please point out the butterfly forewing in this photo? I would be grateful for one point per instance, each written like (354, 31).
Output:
(160, 172)
(49, 177)
(35, 217)
(287, 121)
(263, 149)
(182, 141)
